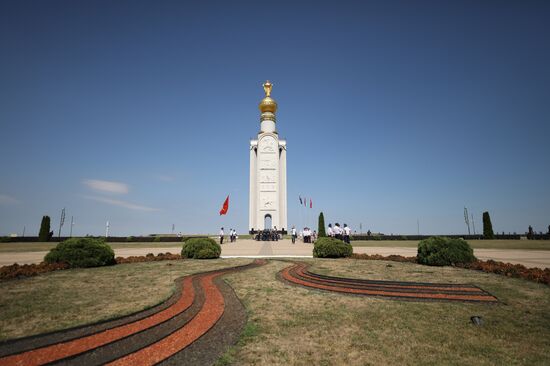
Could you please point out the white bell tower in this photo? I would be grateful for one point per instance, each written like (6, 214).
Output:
(267, 171)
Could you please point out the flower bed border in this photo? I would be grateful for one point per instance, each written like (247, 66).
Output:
(16, 271)
(490, 266)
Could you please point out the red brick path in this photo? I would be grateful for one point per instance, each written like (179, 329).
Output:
(298, 274)
(211, 311)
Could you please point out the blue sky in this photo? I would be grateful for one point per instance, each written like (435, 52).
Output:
(140, 112)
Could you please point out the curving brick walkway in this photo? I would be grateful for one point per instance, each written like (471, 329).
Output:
(147, 339)
(298, 274)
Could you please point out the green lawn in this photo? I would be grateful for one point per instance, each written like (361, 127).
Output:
(479, 244)
(289, 325)
(39, 247)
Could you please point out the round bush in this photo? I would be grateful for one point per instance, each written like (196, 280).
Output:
(201, 248)
(328, 247)
(82, 253)
(441, 251)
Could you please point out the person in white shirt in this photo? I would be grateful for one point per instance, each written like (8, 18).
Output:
(337, 231)
(307, 235)
(347, 232)
(329, 231)
(221, 236)
(293, 235)
(234, 235)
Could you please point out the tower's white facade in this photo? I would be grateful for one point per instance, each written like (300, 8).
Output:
(267, 172)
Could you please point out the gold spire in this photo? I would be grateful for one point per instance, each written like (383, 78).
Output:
(268, 104)
(267, 88)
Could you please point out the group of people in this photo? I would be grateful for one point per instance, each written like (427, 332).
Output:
(339, 233)
(232, 235)
(307, 235)
(268, 235)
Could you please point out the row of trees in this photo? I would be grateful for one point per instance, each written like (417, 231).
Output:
(487, 227)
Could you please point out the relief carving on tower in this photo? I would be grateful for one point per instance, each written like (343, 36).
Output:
(267, 163)
(267, 201)
(268, 187)
(267, 177)
(268, 145)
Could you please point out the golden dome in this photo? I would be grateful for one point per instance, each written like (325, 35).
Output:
(268, 104)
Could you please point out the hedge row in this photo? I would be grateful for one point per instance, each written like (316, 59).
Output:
(110, 239)
(465, 237)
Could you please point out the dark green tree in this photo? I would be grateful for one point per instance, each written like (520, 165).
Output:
(487, 226)
(321, 230)
(44, 234)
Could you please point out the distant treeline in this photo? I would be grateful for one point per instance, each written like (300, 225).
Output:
(465, 237)
(175, 239)
(110, 239)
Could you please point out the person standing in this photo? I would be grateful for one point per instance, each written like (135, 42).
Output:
(347, 232)
(221, 236)
(330, 233)
(276, 233)
(337, 231)
(293, 235)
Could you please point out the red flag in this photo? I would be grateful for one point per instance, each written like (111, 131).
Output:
(225, 206)
(310, 203)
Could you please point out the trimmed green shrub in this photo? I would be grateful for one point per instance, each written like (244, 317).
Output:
(82, 253)
(207, 253)
(487, 226)
(331, 248)
(321, 229)
(44, 233)
(442, 251)
(201, 248)
(157, 239)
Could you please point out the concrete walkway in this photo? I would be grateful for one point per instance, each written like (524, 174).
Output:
(285, 248)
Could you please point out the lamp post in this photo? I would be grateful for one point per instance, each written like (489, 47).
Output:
(72, 224)
(61, 222)
(467, 219)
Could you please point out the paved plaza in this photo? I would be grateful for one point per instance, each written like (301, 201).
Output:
(285, 248)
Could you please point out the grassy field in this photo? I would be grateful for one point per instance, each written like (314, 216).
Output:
(480, 244)
(80, 296)
(297, 326)
(476, 244)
